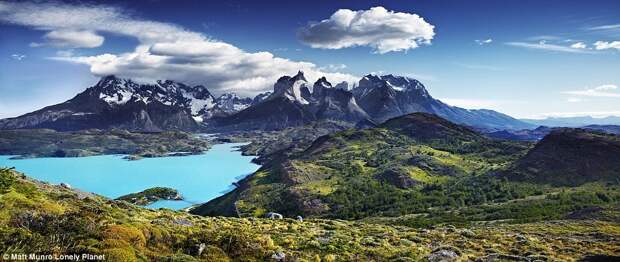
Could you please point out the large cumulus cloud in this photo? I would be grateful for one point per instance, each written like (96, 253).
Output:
(165, 51)
(383, 30)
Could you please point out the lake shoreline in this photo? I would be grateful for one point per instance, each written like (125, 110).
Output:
(198, 177)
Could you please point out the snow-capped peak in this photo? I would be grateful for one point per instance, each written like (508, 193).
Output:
(231, 103)
(294, 88)
(116, 91)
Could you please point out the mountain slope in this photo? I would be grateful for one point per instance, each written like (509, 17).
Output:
(392, 162)
(389, 96)
(39, 218)
(292, 104)
(569, 157)
(122, 103)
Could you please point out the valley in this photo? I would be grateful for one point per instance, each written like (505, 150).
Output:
(310, 131)
(404, 177)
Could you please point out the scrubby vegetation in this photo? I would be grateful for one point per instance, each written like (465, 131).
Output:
(151, 195)
(50, 143)
(40, 218)
(420, 170)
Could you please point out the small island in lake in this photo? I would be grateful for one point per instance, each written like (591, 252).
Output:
(151, 195)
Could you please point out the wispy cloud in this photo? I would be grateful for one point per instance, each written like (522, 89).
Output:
(334, 67)
(602, 45)
(543, 45)
(599, 91)
(544, 38)
(18, 57)
(579, 45)
(164, 50)
(483, 41)
(71, 39)
(604, 27)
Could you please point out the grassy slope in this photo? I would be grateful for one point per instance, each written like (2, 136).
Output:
(336, 163)
(41, 218)
(430, 180)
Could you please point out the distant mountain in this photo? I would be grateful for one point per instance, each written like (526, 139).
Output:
(542, 131)
(574, 121)
(374, 100)
(570, 157)
(260, 97)
(122, 103)
(609, 129)
(389, 96)
(521, 135)
(227, 104)
(292, 104)
(169, 105)
(232, 103)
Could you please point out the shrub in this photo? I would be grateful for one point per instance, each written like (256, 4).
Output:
(126, 233)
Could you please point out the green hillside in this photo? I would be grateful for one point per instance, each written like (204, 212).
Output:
(37, 218)
(416, 164)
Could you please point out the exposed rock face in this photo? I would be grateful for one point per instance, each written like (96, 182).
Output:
(376, 99)
(292, 104)
(231, 103)
(122, 103)
(389, 96)
(294, 88)
(169, 105)
(570, 157)
(260, 97)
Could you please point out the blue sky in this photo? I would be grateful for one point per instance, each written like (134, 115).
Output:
(523, 58)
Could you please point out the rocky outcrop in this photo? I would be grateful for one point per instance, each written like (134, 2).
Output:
(293, 104)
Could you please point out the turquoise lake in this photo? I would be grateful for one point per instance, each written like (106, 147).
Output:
(199, 178)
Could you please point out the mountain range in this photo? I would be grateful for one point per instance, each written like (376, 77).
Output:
(574, 121)
(122, 103)
(169, 105)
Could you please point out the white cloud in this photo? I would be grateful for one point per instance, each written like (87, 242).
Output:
(71, 39)
(165, 51)
(606, 87)
(65, 53)
(602, 45)
(18, 57)
(605, 27)
(484, 42)
(543, 45)
(334, 67)
(599, 91)
(579, 45)
(383, 30)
